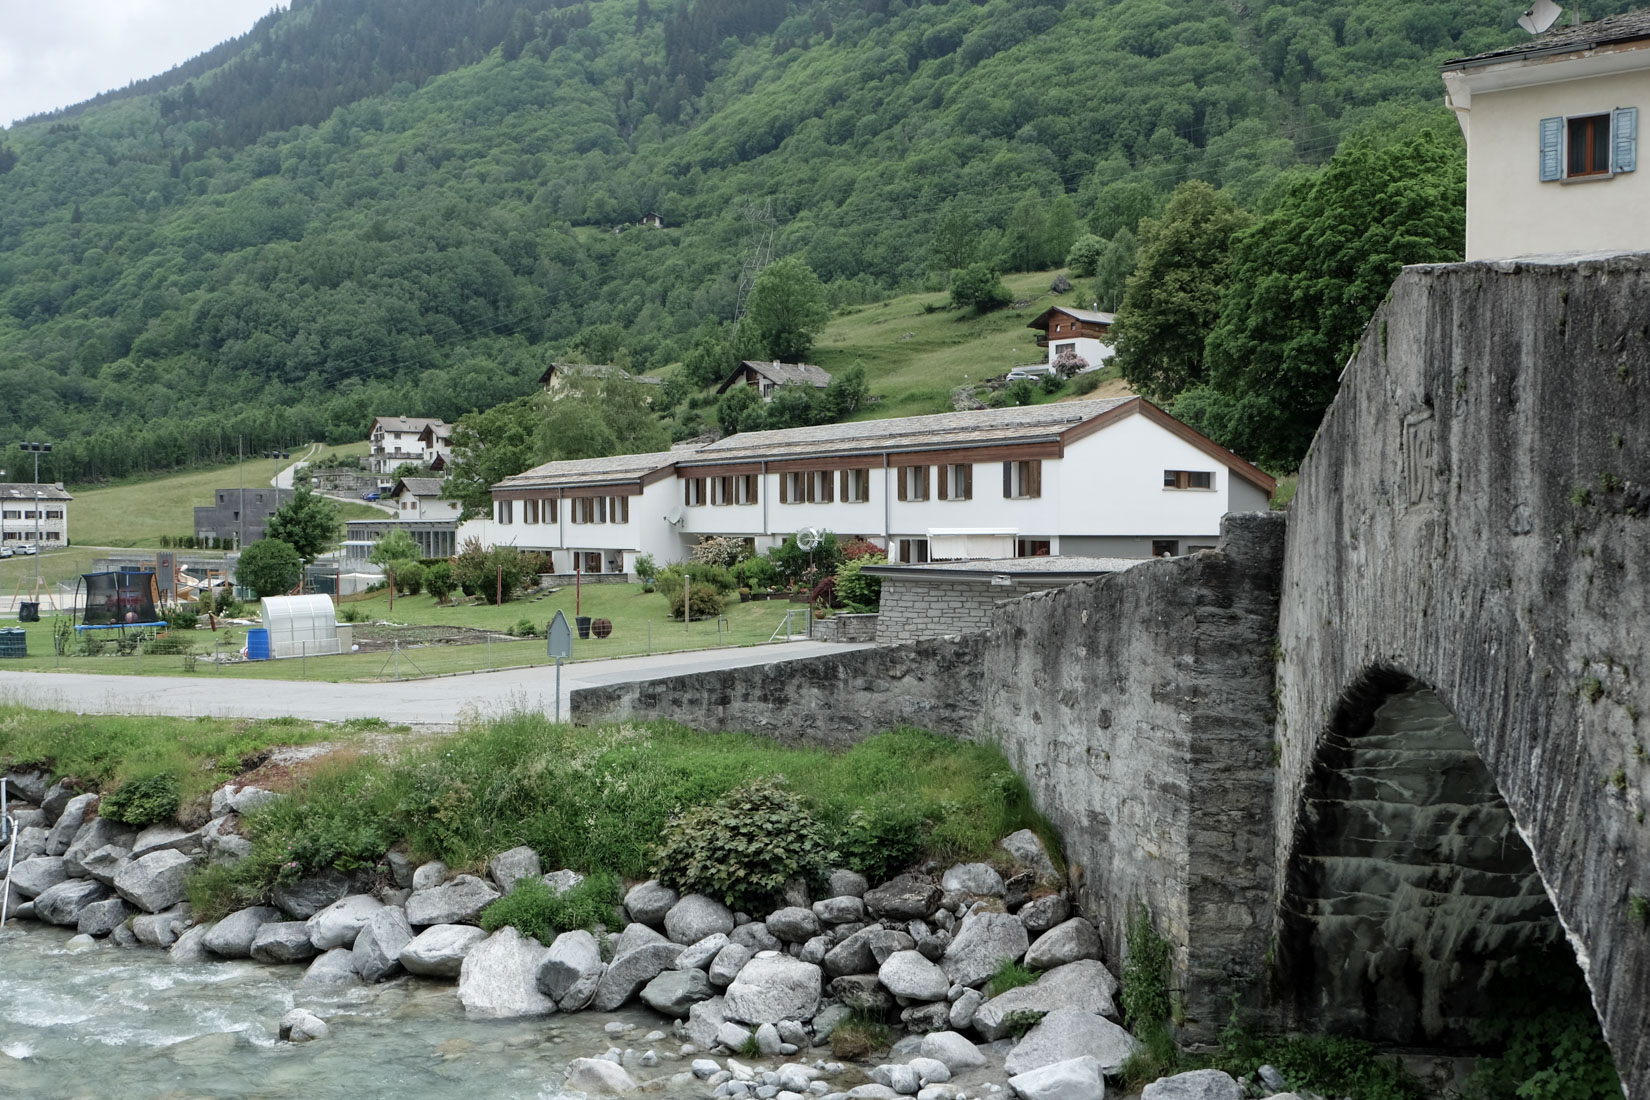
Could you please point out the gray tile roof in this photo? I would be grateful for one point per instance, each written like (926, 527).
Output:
(590, 471)
(421, 486)
(780, 373)
(983, 427)
(1094, 316)
(27, 491)
(1586, 36)
(407, 423)
(1046, 566)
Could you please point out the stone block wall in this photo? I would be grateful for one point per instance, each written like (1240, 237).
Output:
(913, 609)
(845, 628)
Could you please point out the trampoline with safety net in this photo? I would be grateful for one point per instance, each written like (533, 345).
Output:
(116, 601)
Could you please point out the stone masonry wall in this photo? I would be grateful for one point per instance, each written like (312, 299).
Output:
(1139, 709)
(931, 609)
(1474, 513)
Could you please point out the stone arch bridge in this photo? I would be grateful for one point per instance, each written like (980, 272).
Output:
(1355, 762)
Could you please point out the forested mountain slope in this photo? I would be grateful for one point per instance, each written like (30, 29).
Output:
(371, 207)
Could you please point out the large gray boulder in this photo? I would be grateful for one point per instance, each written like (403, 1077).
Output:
(695, 917)
(636, 934)
(165, 835)
(339, 923)
(232, 937)
(496, 979)
(910, 977)
(94, 834)
(105, 863)
(1028, 852)
(598, 1077)
(63, 903)
(561, 881)
(704, 1020)
(980, 879)
(1085, 984)
(674, 992)
(1199, 1084)
(853, 955)
(438, 951)
(57, 797)
(699, 956)
(728, 963)
(904, 898)
(101, 917)
(35, 876)
(793, 924)
(188, 948)
(1068, 1033)
(283, 942)
(68, 823)
(31, 843)
(304, 898)
(163, 928)
(30, 786)
(155, 881)
(772, 988)
(1041, 914)
(573, 957)
(429, 875)
(862, 993)
(982, 943)
(843, 882)
(377, 949)
(457, 902)
(1076, 1079)
(1065, 943)
(627, 973)
(507, 868)
(302, 1026)
(843, 909)
(956, 1051)
(756, 936)
(649, 901)
(333, 967)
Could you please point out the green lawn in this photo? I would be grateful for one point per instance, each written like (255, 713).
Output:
(914, 359)
(641, 624)
(139, 513)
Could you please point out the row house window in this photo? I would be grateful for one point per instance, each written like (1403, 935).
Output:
(957, 481)
(912, 552)
(693, 491)
(506, 510)
(1188, 479)
(856, 486)
(807, 487)
(601, 509)
(538, 511)
(1023, 480)
(911, 483)
(735, 489)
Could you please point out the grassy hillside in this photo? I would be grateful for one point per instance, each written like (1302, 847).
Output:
(140, 512)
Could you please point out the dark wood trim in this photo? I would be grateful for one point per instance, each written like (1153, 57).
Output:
(658, 475)
(729, 469)
(1248, 471)
(808, 465)
(618, 489)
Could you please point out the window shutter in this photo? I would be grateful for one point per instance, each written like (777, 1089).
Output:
(808, 488)
(945, 483)
(923, 470)
(784, 488)
(843, 477)
(901, 475)
(1008, 480)
(827, 485)
(1034, 471)
(1624, 139)
(1552, 149)
(968, 482)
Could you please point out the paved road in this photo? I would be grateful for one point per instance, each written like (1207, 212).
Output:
(283, 480)
(437, 702)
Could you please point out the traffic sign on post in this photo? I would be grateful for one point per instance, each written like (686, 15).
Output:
(559, 637)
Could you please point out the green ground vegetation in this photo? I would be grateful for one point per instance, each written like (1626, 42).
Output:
(108, 753)
(599, 800)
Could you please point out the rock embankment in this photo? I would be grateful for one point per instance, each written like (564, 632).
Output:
(918, 952)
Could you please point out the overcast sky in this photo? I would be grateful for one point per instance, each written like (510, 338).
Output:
(54, 53)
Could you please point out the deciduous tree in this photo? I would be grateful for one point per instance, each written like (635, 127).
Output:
(269, 567)
(308, 523)
(786, 310)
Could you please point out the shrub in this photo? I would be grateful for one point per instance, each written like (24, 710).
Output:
(705, 602)
(1021, 392)
(1018, 1023)
(860, 1035)
(1086, 383)
(409, 578)
(144, 801)
(524, 628)
(799, 566)
(742, 847)
(857, 547)
(980, 286)
(758, 573)
(853, 587)
(534, 909)
(1051, 383)
(170, 644)
(715, 576)
(880, 841)
(349, 613)
(646, 568)
(183, 616)
(224, 601)
(723, 550)
(1145, 998)
(438, 581)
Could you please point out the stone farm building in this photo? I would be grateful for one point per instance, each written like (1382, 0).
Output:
(1106, 478)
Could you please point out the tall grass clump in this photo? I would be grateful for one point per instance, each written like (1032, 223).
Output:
(534, 909)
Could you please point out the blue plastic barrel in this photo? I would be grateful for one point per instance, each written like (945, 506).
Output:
(257, 644)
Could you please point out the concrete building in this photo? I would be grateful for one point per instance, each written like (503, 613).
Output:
(1108, 478)
(32, 514)
(436, 538)
(1552, 140)
(239, 517)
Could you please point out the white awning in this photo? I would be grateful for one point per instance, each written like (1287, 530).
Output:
(953, 543)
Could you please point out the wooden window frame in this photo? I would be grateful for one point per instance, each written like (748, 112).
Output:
(855, 485)
(955, 487)
(912, 551)
(1180, 481)
(912, 486)
(618, 509)
(747, 489)
(693, 492)
(506, 512)
(793, 487)
(1023, 479)
(1594, 134)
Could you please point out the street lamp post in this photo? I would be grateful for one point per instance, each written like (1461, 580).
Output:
(36, 448)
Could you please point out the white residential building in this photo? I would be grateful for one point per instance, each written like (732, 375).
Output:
(34, 514)
(420, 498)
(395, 440)
(1065, 330)
(1552, 140)
(1114, 478)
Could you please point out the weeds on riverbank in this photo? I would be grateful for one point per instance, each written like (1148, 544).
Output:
(601, 799)
(534, 909)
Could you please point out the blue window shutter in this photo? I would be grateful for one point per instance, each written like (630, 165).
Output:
(1624, 139)
(1552, 149)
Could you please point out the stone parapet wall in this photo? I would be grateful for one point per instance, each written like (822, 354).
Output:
(845, 628)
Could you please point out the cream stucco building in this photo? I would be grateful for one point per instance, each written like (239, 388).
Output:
(1552, 140)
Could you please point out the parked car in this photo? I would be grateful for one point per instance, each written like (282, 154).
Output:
(1031, 373)
(370, 494)
(5, 551)
(28, 549)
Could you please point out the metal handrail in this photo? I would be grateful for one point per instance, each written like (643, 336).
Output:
(8, 836)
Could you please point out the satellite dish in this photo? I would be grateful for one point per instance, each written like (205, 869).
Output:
(675, 516)
(1541, 15)
(807, 538)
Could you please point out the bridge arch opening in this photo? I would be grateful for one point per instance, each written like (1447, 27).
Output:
(1413, 913)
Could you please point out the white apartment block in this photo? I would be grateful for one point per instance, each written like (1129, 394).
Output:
(1106, 478)
(34, 514)
(395, 440)
(420, 498)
